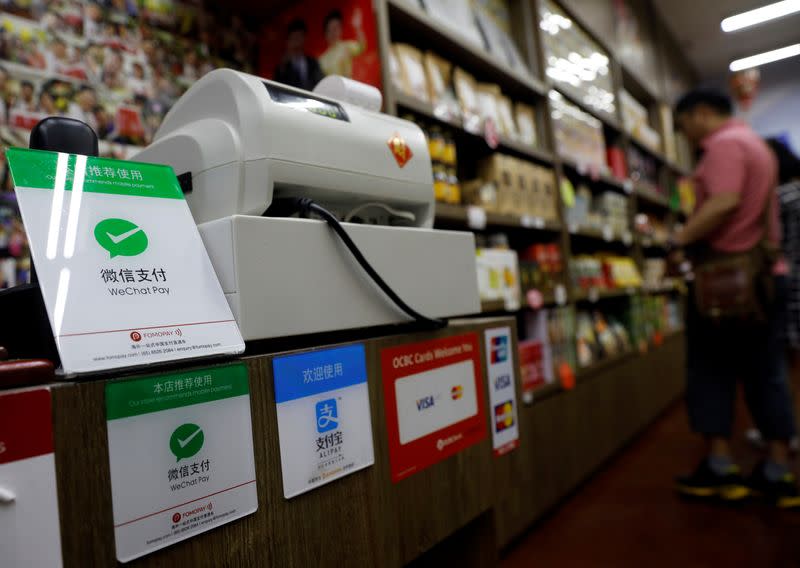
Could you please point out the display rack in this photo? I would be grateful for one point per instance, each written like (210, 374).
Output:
(406, 20)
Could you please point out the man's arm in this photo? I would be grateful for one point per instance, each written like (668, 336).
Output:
(708, 218)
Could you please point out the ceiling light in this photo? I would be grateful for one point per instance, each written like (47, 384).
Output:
(760, 15)
(766, 57)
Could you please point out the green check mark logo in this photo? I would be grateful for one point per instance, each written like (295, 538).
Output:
(186, 441)
(120, 237)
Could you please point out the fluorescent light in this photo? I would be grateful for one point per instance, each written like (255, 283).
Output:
(760, 15)
(766, 57)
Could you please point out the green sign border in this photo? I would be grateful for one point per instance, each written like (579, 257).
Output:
(134, 397)
(36, 169)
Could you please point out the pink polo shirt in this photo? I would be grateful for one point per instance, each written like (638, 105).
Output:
(736, 159)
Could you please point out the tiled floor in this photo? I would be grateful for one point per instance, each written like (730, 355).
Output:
(628, 515)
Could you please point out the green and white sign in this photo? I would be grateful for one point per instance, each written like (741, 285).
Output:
(124, 274)
(180, 447)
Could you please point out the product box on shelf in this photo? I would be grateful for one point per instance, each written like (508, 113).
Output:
(498, 276)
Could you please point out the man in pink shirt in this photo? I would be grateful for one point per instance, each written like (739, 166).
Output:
(735, 181)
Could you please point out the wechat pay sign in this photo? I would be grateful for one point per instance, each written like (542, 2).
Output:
(119, 257)
(180, 455)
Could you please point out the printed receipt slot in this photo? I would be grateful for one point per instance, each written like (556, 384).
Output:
(26, 333)
(239, 143)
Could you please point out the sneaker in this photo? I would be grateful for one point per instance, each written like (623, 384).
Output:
(704, 483)
(784, 493)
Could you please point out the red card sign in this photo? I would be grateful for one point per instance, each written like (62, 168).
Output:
(434, 401)
(26, 425)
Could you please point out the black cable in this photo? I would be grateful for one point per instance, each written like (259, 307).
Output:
(304, 206)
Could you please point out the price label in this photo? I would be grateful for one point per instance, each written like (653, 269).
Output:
(627, 186)
(593, 295)
(581, 168)
(560, 294)
(627, 238)
(608, 233)
(573, 228)
(532, 222)
(476, 217)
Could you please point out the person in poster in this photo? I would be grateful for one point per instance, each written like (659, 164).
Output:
(297, 68)
(337, 59)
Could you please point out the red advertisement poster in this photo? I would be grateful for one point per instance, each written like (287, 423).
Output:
(26, 429)
(531, 365)
(312, 39)
(434, 401)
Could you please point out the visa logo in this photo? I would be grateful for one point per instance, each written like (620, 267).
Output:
(424, 402)
(501, 382)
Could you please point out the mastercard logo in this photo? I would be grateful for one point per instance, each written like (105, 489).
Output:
(457, 392)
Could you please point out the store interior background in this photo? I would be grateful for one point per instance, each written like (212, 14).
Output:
(601, 380)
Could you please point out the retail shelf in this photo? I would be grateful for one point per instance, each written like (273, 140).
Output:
(625, 186)
(425, 109)
(586, 372)
(543, 392)
(460, 214)
(606, 119)
(651, 243)
(491, 306)
(606, 235)
(651, 196)
(438, 35)
(594, 295)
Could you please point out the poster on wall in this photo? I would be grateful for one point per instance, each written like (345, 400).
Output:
(312, 39)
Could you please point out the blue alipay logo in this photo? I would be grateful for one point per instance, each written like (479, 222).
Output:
(327, 415)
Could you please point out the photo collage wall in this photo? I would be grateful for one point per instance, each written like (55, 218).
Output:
(118, 65)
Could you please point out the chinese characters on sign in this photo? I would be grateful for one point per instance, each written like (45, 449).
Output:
(324, 423)
(130, 275)
(323, 372)
(181, 384)
(180, 456)
(106, 172)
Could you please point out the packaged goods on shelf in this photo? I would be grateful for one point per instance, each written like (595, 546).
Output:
(636, 121)
(650, 317)
(606, 212)
(442, 150)
(505, 116)
(574, 61)
(653, 230)
(685, 153)
(536, 353)
(579, 135)
(654, 275)
(466, 91)
(668, 132)
(488, 94)
(555, 329)
(498, 276)
(526, 123)
(643, 169)
(495, 26)
(604, 272)
(687, 195)
(615, 157)
(412, 78)
(599, 336)
(458, 16)
(440, 87)
(541, 268)
(519, 188)
(614, 209)
(531, 366)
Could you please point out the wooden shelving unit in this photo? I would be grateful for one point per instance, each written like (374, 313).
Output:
(406, 20)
